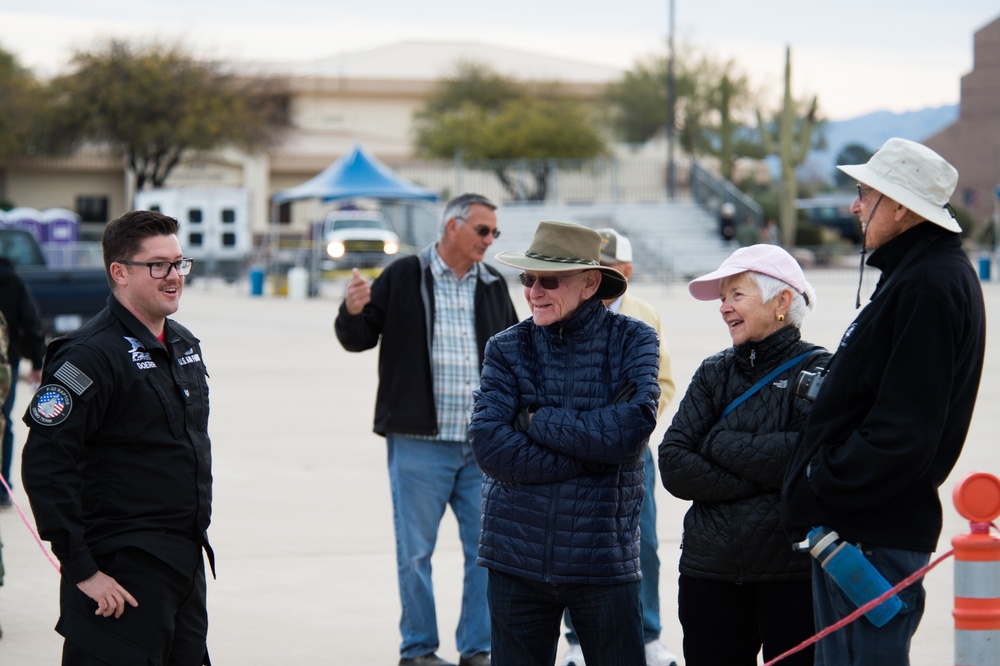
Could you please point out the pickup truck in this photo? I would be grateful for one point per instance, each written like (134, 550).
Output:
(69, 293)
(358, 238)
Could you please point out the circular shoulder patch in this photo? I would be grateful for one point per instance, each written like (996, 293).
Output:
(51, 405)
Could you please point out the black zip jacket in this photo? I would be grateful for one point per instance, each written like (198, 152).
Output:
(401, 313)
(891, 418)
(732, 467)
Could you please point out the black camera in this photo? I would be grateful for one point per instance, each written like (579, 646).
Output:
(808, 383)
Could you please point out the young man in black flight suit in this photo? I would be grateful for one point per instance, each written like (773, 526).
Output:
(117, 465)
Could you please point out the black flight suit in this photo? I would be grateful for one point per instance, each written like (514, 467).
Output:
(117, 467)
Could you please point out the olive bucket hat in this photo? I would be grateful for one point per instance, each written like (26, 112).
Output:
(561, 247)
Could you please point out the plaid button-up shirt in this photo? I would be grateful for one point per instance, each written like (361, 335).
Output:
(454, 353)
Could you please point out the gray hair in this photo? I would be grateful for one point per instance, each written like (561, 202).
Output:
(801, 303)
(460, 207)
(770, 287)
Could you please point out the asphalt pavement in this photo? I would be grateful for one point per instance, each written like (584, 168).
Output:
(302, 524)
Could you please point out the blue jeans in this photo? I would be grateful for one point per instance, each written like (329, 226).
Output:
(425, 477)
(649, 562)
(526, 616)
(861, 643)
(7, 441)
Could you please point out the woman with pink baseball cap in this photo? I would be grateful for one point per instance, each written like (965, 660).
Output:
(742, 588)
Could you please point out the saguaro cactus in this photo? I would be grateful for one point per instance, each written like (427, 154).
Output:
(794, 137)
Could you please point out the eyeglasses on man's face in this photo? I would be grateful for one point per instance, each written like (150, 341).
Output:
(862, 191)
(161, 269)
(547, 282)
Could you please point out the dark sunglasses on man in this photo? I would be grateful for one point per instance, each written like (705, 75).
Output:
(547, 282)
(485, 231)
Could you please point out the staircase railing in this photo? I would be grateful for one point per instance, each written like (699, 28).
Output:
(711, 190)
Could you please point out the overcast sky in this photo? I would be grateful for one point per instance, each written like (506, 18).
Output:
(856, 56)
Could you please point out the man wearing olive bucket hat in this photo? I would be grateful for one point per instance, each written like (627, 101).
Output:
(895, 402)
(560, 422)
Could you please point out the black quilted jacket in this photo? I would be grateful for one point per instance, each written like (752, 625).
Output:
(733, 469)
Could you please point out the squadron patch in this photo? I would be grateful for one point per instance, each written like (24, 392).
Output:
(50, 405)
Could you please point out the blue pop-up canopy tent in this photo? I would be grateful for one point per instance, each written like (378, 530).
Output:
(357, 174)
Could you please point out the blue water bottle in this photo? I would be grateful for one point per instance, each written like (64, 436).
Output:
(853, 573)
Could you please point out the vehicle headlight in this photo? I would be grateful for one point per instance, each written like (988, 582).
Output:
(335, 249)
(390, 247)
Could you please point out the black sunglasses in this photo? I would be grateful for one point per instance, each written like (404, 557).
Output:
(862, 191)
(485, 231)
(548, 282)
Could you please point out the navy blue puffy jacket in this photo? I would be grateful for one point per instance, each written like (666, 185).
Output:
(561, 502)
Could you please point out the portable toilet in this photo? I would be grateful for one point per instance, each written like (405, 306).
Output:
(29, 219)
(60, 225)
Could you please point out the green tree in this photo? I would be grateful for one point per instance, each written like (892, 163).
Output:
(20, 103)
(155, 105)
(852, 153)
(713, 107)
(638, 102)
(493, 120)
(475, 83)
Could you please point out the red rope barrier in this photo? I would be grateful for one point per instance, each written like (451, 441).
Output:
(906, 582)
(27, 523)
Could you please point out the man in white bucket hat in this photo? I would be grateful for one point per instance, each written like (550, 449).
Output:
(895, 402)
(560, 422)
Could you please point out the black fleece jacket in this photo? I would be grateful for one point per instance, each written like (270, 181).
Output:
(891, 418)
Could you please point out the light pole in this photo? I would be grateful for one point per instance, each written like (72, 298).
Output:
(671, 103)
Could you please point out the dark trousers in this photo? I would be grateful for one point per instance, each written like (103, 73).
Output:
(168, 628)
(726, 624)
(649, 562)
(525, 617)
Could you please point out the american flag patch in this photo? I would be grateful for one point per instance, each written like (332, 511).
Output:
(71, 376)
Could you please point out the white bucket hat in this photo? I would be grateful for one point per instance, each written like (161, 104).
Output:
(914, 176)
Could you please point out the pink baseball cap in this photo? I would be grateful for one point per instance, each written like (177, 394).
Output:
(767, 259)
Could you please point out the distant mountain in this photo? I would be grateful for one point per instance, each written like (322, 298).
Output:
(871, 131)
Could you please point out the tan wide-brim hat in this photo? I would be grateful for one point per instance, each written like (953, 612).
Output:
(912, 175)
(563, 247)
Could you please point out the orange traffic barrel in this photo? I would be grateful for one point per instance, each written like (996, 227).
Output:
(977, 573)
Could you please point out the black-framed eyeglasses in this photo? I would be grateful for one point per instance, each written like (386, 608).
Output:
(485, 231)
(862, 191)
(547, 282)
(161, 269)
